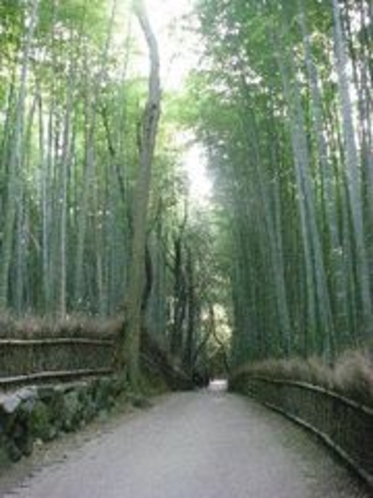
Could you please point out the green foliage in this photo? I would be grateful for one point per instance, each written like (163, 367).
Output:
(268, 111)
(286, 249)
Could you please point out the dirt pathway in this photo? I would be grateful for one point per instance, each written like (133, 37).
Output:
(191, 445)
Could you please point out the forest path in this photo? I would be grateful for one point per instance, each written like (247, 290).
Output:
(207, 444)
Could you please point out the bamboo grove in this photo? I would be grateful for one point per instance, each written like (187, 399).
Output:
(282, 104)
(72, 135)
(60, 182)
(285, 93)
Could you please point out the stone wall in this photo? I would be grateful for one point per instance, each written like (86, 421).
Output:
(44, 412)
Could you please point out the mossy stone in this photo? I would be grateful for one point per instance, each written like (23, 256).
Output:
(41, 423)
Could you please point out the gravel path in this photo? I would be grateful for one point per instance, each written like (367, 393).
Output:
(190, 445)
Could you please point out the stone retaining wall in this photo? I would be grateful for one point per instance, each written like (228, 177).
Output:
(44, 412)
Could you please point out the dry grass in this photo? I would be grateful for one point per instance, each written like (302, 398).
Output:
(351, 375)
(31, 327)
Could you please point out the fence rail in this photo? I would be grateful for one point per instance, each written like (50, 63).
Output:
(58, 341)
(51, 376)
(25, 361)
(343, 424)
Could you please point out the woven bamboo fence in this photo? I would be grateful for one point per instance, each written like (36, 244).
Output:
(24, 361)
(343, 424)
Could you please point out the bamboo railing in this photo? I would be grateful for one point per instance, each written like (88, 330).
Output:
(25, 361)
(343, 424)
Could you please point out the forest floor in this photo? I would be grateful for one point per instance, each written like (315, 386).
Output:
(205, 443)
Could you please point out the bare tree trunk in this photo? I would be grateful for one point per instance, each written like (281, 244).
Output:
(192, 315)
(179, 298)
(141, 200)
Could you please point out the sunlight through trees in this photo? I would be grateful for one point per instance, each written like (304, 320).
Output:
(257, 199)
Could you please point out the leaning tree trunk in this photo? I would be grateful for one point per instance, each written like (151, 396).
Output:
(148, 134)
